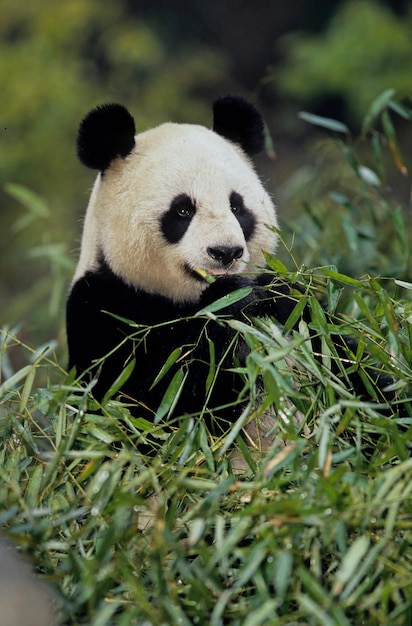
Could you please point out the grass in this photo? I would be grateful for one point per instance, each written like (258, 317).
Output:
(315, 531)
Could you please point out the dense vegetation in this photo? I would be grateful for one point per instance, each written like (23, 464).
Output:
(316, 531)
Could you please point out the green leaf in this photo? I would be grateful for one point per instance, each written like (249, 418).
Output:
(100, 434)
(390, 133)
(171, 395)
(170, 361)
(400, 109)
(339, 198)
(11, 382)
(212, 365)
(29, 199)
(296, 314)
(32, 493)
(403, 284)
(284, 567)
(350, 156)
(324, 444)
(27, 389)
(275, 264)
(324, 122)
(120, 380)
(378, 158)
(235, 430)
(226, 301)
(378, 105)
(350, 563)
(369, 176)
(342, 278)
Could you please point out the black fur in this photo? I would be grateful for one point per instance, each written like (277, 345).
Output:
(106, 133)
(93, 333)
(175, 222)
(240, 122)
(245, 217)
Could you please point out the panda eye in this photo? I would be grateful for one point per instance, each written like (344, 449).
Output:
(236, 202)
(183, 206)
(185, 211)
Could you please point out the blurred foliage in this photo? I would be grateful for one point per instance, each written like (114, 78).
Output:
(58, 60)
(365, 49)
(353, 213)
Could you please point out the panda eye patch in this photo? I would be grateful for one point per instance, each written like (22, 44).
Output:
(176, 220)
(236, 202)
(243, 215)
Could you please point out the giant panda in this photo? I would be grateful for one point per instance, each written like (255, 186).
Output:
(171, 207)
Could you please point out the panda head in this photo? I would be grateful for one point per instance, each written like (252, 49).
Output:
(175, 199)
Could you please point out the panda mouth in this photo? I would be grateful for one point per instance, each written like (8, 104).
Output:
(207, 275)
(219, 272)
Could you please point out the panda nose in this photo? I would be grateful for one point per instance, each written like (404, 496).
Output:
(225, 254)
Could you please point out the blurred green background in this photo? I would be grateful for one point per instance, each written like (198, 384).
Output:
(170, 60)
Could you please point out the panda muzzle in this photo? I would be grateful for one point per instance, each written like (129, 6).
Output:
(225, 255)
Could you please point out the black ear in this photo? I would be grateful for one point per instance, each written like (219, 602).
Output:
(239, 121)
(105, 133)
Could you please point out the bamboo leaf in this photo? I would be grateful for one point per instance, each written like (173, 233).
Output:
(350, 563)
(342, 278)
(170, 361)
(120, 381)
(226, 301)
(171, 395)
(376, 108)
(275, 264)
(400, 109)
(393, 143)
(15, 379)
(324, 122)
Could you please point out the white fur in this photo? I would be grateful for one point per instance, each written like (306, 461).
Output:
(129, 199)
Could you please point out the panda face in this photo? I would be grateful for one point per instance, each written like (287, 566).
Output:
(183, 199)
